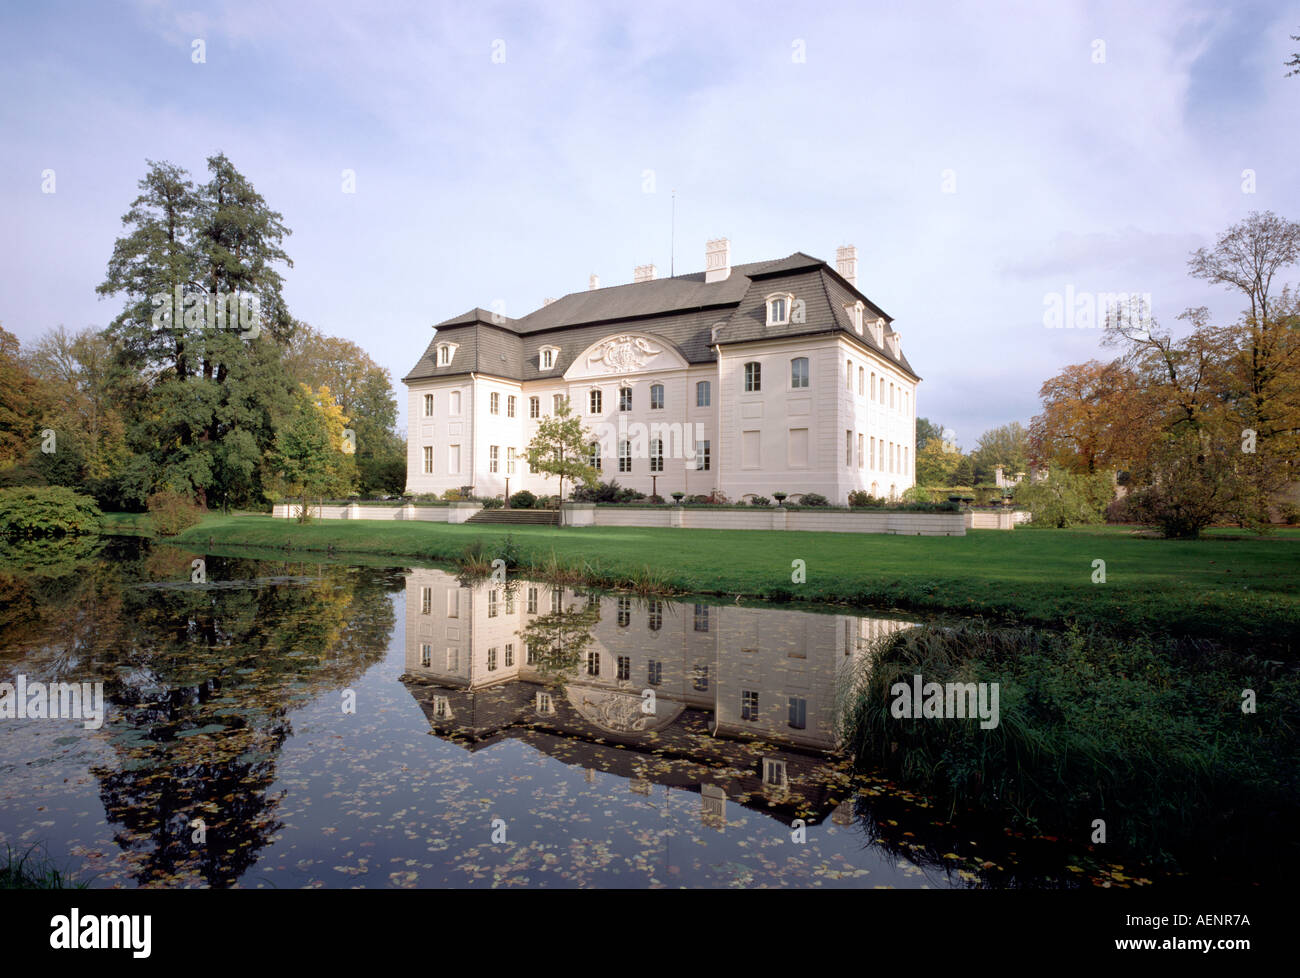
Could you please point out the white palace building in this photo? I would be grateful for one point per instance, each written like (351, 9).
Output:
(774, 376)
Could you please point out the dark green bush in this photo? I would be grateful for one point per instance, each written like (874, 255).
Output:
(37, 511)
(813, 499)
(523, 499)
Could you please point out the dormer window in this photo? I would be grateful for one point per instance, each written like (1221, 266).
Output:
(880, 333)
(547, 357)
(855, 315)
(445, 353)
(778, 308)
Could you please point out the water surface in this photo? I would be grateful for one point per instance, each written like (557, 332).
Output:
(293, 724)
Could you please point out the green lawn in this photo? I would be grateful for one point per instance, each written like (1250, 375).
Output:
(1237, 588)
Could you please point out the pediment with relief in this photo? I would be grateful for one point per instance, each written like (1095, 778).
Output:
(625, 353)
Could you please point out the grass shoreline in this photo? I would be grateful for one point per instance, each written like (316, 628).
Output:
(1241, 592)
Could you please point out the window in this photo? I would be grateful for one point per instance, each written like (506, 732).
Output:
(494, 403)
(510, 654)
(799, 372)
(593, 663)
(532, 600)
(905, 468)
(774, 772)
(547, 360)
(445, 352)
(848, 375)
(453, 603)
(453, 660)
(702, 456)
(426, 600)
(749, 704)
(654, 672)
(510, 601)
(428, 405)
(494, 457)
(544, 703)
(625, 398)
(861, 455)
(534, 407)
(455, 402)
(510, 406)
(529, 656)
(510, 461)
(624, 612)
(493, 598)
(428, 459)
(426, 655)
(778, 309)
(891, 397)
(595, 402)
(492, 659)
(453, 459)
(753, 377)
(873, 385)
(656, 396)
(798, 713)
(624, 668)
(655, 619)
(557, 403)
(557, 600)
(703, 394)
(862, 381)
(593, 455)
(625, 456)
(656, 454)
(701, 681)
(848, 449)
(701, 617)
(872, 445)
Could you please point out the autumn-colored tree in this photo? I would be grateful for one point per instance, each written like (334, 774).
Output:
(363, 391)
(1088, 418)
(22, 403)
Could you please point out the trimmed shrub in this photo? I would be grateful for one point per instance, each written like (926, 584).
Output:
(523, 499)
(760, 501)
(813, 499)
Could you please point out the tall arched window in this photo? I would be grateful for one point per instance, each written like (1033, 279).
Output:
(656, 396)
(799, 372)
(703, 394)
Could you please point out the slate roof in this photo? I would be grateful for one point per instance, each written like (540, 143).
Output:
(681, 310)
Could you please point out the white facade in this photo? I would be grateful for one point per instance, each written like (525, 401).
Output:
(845, 420)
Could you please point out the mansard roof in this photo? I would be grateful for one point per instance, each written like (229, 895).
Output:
(682, 309)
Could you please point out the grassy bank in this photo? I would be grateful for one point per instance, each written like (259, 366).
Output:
(1239, 590)
(1148, 736)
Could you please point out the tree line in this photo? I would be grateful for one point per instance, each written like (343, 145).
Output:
(203, 385)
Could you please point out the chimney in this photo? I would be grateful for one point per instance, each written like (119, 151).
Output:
(846, 263)
(593, 283)
(717, 260)
(643, 273)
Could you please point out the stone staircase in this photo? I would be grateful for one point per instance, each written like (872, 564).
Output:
(517, 517)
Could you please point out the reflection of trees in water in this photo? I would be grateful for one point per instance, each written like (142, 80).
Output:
(200, 678)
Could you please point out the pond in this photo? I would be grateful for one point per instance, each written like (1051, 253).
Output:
(286, 724)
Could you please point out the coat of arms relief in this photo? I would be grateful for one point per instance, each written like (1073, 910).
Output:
(620, 354)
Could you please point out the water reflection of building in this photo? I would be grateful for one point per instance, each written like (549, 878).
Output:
(744, 699)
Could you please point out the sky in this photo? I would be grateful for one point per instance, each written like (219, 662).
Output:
(982, 157)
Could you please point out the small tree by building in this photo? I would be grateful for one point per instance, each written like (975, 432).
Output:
(560, 448)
